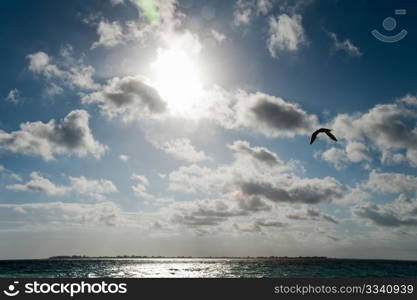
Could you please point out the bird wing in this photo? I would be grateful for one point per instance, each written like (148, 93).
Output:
(331, 136)
(313, 136)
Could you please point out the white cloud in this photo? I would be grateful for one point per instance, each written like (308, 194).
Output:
(218, 36)
(346, 46)
(6, 173)
(408, 100)
(246, 10)
(157, 19)
(261, 154)
(14, 96)
(392, 182)
(54, 214)
(71, 135)
(130, 97)
(285, 34)
(116, 2)
(64, 71)
(182, 149)
(141, 186)
(264, 6)
(110, 34)
(256, 175)
(123, 157)
(40, 184)
(384, 129)
(140, 189)
(96, 189)
(354, 152)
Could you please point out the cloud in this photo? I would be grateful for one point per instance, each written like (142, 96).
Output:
(251, 183)
(39, 184)
(63, 214)
(402, 211)
(14, 96)
(71, 135)
(182, 149)
(269, 115)
(116, 2)
(64, 71)
(392, 182)
(130, 97)
(218, 36)
(311, 215)
(123, 157)
(203, 212)
(246, 10)
(383, 216)
(110, 34)
(268, 223)
(295, 190)
(346, 46)
(408, 100)
(384, 129)
(115, 33)
(354, 152)
(6, 173)
(156, 19)
(260, 154)
(96, 189)
(140, 189)
(285, 34)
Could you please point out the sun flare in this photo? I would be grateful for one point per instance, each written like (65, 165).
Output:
(177, 78)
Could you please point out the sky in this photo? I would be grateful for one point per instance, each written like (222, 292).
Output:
(165, 127)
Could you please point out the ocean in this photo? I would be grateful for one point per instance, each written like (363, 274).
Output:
(207, 267)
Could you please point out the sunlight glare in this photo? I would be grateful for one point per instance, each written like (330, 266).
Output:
(177, 78)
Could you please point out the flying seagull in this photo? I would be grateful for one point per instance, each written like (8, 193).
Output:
(326, 131)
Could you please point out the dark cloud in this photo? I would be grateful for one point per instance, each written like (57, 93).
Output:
(204, 212)
(130, 97)
(267, 114)
(278, 117)
(383, 217)
(309, 191)
(267, 223)
(252, 204)
(258, 153)
(311, 214)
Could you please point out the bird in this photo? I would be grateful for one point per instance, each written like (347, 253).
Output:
(326, 131)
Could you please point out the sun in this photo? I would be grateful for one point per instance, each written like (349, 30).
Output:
(177, 78)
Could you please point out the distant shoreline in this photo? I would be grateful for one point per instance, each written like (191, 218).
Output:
(186, 257)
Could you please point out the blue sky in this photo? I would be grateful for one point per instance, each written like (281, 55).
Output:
(182, 128)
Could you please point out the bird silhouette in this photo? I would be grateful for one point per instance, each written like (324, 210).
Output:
(326, 131)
